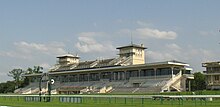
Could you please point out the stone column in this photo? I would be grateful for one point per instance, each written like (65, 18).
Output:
(172, 71)
(99, 77)
(189, 85)
(118, 75)
(77, 77)
(123, 75)
(88, 76)
(155, 73)
(139, 71)
(114, 75)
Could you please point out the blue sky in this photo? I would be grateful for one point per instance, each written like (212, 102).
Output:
(34, 32)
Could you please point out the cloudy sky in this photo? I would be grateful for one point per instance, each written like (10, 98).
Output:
(34, 32)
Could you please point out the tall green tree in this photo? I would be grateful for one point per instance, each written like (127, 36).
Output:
(16, 74)
(199, 82)
(35, 70)
(29, 71)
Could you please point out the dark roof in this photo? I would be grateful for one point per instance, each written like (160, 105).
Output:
(168, 62)
(68, 55)
(148, 65)
(132, 45)
(104, 62)
(85, 64)
(206, 64)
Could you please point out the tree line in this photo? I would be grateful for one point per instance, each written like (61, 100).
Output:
(19, 81)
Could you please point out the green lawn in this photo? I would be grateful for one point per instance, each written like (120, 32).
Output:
(109, 102)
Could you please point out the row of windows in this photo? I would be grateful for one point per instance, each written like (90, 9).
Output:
(213, 69)
(117, 75)
(138, 55)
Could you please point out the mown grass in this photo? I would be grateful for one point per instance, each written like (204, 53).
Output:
(109, 102)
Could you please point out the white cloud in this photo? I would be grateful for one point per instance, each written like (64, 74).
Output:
(173, 51)
(45, 66)
(9, 54)
(143, 23)
(145, 33)
(91, 34)
(155, 33)
(4, 77)
(155, 56)
(189, 54)
(202, 54)
(207, 33)
(16, 66)
(27, 50)
(174, 48)
(14, 54)
(169, 52)
(52, 48)
(29, 47)
(196, 56)
(88, 44)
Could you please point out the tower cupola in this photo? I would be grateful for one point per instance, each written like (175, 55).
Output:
(133, 51)
(68, 59)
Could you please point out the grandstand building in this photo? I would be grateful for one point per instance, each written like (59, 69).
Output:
(127, 73)
(212, 74)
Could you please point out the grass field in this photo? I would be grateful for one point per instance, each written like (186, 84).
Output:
(107, 102)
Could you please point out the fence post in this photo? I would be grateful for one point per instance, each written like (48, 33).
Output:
(142, 101)
(125, 100)
(94, 99)
(109, 99)
(161, 100)
(115, 99)
(195, 101)
(172, 101)
(181, 100)
(200, 101)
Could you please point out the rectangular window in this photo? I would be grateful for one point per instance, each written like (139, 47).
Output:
(216, 78)
(147, 72)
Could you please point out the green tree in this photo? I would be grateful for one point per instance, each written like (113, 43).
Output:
(16, 74)
(7, 87)
(199, 81)
(25, 82)
(34, 70)
(37, 69)
(29, 71)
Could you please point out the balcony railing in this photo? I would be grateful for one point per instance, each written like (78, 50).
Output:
(208, 72)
